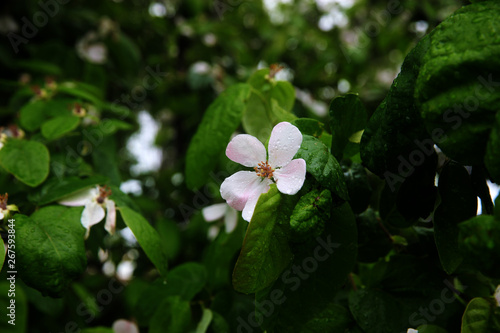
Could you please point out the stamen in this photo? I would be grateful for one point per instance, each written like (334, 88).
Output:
(104, 192)
(264, 170)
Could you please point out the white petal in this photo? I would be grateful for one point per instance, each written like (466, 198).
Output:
(246, 150)
(92, 214)
(411, 330)
(231, 219)
(263, 187)
(284, 143)
(213, 231)
(1, 214)
(124, 326)
(110, 224)
(238, 188)
(290, 179)
(80, 198)
(214, 212)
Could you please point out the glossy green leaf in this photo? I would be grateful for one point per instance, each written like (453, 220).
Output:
(32, 115)
(27, 160)
(373, 241)
(219, 122)
(458, 203)
(59, 126)
(172, 316)
(147, 237)
(431, 329)
(50, 248)
(15, 321)
(347, 117)
(323, 166)
(319, 269)
(456, 87)
(334, 318)
(309, 215)
(396, 129)
(309, 126)
(265, 251)
(281, 114)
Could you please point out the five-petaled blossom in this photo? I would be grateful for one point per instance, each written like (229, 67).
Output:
(242, 190)
(95, 200)
(4, 208)
(216, 212)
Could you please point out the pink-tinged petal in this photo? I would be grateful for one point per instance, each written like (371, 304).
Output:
(230, 219)
(290, 179)
(80, 198)
(252, 201)
(284, 143)
(2, 215)
(92, 214)
(237, 188)
(124, 326)
(214, 212)
(497, 295)
(246, 150)
(110, 224)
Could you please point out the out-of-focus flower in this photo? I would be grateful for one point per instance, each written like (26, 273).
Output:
(91, 49)
(124, 326)
(497, 295)
(412, 330)
(216, 212)
(242, 190)
(96, 204)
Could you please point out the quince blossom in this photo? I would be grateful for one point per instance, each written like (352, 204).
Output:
(4, 208)
(96, 201)
(242, 190)
(216, 212)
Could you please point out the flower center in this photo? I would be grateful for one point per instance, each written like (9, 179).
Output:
(104, 192)
(264, 170)
(3, 201)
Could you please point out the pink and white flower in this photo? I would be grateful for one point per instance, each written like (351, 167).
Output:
(242, 190)
(95, 200)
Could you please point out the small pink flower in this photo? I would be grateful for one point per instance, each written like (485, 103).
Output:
(242, 190)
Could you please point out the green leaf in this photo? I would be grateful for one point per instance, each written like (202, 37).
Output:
(281, 114)
(56, 189)
(323, 166)
(373, 241)
(430, 329)
(396, 129)
(284, 94)
(147, 237)
(454, 88)
(347, 117)
(479, 246)
(319, 270)
(19, 320)
(309, 215)
(309, 126)
(265, 251)
(39, 66)
(184, 281)
(50, 248)
(99, 329)
(219, 122)
(333, 318)
(32, 115)
(476, 318)
(78, 90)
(172, 316)
(27, 160)
(358, 186)
(205, 321)
(458, 203)
(256, 121)
(59, 126)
